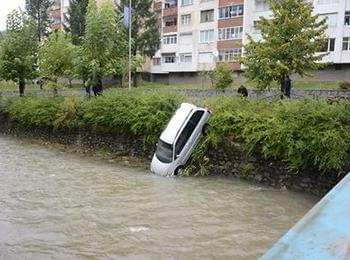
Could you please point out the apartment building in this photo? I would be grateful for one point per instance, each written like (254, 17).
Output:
(198, 34)
(59, 14)
(337, 13)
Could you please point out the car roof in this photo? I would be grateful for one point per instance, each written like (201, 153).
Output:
(176, 122)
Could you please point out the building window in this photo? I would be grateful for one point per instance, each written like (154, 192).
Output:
(347, 18)
(169, 58)
(262, 5)
(56, 19)
(326, 2)
(230, 11)
(186, 19)
(346, 44)
(230, 33)
(170, 21)
(329, 46)
(170, 39)
(170, 4)
(229, 54)
(156, 61)
(186, 2)
(186, 57)
(206, 36)
(205, 57)
(331, 19)
(207, 16)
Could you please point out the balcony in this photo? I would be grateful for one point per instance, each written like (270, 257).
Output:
(170, 29)
(56, 13)
(170, 11)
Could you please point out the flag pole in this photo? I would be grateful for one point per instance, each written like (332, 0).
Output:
(130, 21)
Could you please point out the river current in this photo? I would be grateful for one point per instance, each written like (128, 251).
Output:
(58, 205)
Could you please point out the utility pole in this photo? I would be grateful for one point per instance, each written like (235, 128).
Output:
(130, 25)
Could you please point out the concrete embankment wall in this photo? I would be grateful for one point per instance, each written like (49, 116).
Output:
(228, 158)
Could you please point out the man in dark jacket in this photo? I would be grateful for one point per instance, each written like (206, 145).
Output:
(287, 86)
(242, 90)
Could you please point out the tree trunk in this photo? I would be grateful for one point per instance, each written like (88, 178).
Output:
(134, 80)
(21, 86)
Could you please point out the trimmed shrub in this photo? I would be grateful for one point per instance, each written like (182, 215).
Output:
(305, 134)
(223, 77)
(136, 113)
(345, 85)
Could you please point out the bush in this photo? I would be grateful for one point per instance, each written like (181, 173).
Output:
(223, 77)
(345, 85)
(304, 134)
(8, 85)
(136, 113)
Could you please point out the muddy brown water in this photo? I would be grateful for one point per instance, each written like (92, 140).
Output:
(58, 205)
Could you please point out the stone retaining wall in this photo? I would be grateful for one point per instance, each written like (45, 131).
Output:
(228, 159)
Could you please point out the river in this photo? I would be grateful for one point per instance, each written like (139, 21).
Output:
(60, 205)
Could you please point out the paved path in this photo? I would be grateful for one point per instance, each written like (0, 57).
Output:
(253, 94)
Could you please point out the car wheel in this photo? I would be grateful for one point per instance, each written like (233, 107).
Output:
(178, 171)
(205, 129)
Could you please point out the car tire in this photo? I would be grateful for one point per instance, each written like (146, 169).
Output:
(179, 170)
(205, 129)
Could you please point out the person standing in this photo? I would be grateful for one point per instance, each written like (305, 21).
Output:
(287, 86)
(242, 90)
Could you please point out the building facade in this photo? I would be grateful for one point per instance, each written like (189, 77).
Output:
(59, 14)
(196, 35)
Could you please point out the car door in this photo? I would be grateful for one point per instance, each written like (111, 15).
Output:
(188, 137)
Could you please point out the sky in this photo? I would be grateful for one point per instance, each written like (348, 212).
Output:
(6, 7)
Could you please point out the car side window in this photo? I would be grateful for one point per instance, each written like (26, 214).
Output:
(187, 131)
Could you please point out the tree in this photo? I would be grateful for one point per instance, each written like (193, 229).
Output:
(18, 50)
(39, 10)
(145, 32)
(57, 57)
(290, 42)
(76, 19)
(223, 77)
(102, 47)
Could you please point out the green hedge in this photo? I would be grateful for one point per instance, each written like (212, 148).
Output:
(304, 134)
(143, 115)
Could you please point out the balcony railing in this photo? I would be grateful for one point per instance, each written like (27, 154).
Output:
(169, 29)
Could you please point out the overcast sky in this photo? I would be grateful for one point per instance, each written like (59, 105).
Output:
(6, 7)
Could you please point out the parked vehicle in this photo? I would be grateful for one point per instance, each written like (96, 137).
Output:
(179, 138)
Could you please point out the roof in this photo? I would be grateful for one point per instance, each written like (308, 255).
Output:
(174, 126)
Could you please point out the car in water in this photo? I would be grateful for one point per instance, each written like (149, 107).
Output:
(179, 138)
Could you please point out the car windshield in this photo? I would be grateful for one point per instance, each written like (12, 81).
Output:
(164, 152)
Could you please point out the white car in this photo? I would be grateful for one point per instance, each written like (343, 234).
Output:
(180, 137)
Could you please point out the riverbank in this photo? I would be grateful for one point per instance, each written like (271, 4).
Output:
(300, 145)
